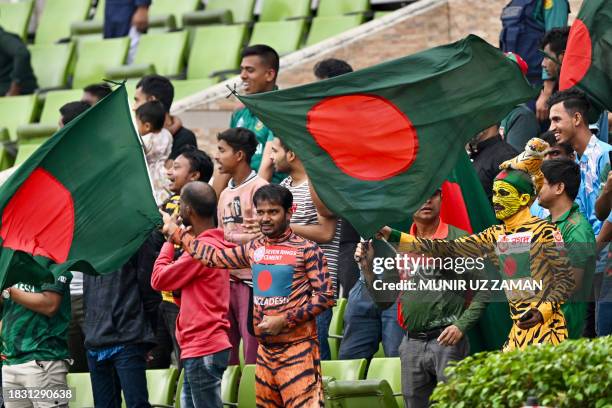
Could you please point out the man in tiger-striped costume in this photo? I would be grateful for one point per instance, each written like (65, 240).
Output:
(291, 287)
(523, 247)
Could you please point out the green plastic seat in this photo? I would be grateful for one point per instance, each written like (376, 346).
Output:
(56, 18)
(186, 87)
(242, 10)
(359, 394)
(389, 369)
(15, 17)
(163, 53)
(323, 28)
(277, 10)
(7, 155)
(161, 9)
(336, 328)
(27, 148)
(81, 386)
(95, 57)
(246, 390)
(215, 49)
(15, 111)
(340, 7)
(283, 36)
(161, 385)
(229, 384)
(344, 369)
(50, 63)
(49, 118)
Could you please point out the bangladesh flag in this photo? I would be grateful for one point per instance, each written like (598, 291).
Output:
(83, 201)
(587, 63)
(377, 142)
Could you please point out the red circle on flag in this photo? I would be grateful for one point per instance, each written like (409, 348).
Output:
(367, 136)
(509, 266)
(577, 59)
(264, 280)
(39, 219)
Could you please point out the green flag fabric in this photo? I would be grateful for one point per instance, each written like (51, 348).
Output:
(378, 141)
(83, 201)
(587, 63)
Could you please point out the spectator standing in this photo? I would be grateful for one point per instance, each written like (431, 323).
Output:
(235, 150)
(488, 151)
(568, 113)
(553, 49)
(202, 327)
(191, 165)
(16, 74)
(258, 73)
(157, 87)
(436, 322)
(121, 15)
(307, 223)
(120, 317)
(35, 355)
(157, 144)
(560, 188)
(292, 288)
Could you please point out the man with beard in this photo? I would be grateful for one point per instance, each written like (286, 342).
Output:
(291, 287)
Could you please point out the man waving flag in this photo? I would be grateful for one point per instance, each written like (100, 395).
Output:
(377, 141)
(82, 201)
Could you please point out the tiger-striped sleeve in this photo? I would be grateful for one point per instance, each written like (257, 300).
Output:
(322, 297)
(230, 258)
(560, 283)
(477, 245)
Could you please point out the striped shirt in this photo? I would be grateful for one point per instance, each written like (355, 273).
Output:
(305, 213)
(289, 274)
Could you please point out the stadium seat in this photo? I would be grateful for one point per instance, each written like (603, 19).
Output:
(15, 111)
(325, 27)
(359, 394)
(80, 383)
(161, 9)
(56, 18)
(285, 43)
(277, 10)
(161, 385)
(380, 353)
(389, 369)
(229, 384)
(340, 7)
(93, 26)
(184, 88)
(246, 390)
(344, 369)
(215, 50)
(380, 14)
(27, 147)
(221, 12)
(50, 63)
(49, 118)
(336, 328)
(95, 57)
(161, 53)
(15, 17)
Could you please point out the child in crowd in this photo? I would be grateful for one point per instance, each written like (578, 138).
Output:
(157, 143)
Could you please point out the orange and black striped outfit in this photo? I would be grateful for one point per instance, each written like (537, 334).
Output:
(290, 278)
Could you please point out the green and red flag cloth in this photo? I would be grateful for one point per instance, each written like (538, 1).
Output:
(587, 63)
(83, 201)
(377, 142)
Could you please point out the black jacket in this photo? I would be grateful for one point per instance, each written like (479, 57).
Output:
(121, 307)
(487, 156)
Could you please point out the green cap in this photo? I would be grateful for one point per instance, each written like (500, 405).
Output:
(519, 179)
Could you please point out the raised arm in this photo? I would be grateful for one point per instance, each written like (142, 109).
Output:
(230, 258)
(477, 245)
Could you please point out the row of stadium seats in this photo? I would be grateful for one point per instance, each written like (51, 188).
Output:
(62, 18)
(342, 379)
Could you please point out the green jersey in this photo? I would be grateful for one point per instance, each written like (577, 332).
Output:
(28, 335)
(244, 118)
(579, 241)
